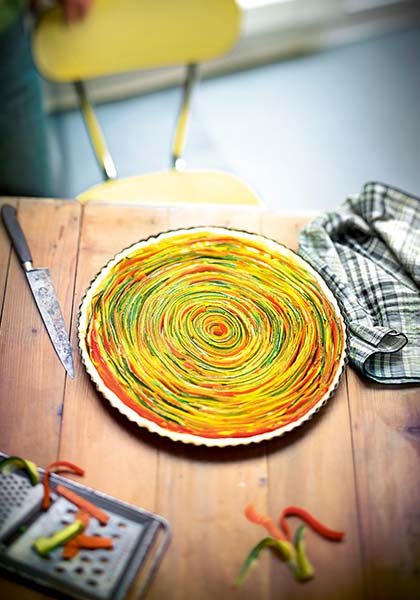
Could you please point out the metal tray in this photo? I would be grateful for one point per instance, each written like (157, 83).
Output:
(140, 539)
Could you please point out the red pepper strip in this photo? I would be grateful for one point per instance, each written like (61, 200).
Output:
(295, 511)
(259, 519)
(82, 503)
(59, 465)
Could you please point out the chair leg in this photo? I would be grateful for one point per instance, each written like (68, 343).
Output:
(178, 163)
(96, 136)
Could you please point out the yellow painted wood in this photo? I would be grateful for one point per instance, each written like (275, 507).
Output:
(125, 35)
(174, 187)
(183, 117)
(95, 134)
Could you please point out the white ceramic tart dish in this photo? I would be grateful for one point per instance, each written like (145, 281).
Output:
(212, 336)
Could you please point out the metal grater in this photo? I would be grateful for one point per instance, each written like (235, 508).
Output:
(139, 538)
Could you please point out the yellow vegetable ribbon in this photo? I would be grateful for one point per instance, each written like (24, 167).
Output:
(214, 333)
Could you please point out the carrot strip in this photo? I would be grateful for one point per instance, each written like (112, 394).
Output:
(259, 519)
(71, 549)
(82, 503)
(61, 465)
(295, 511)
(44, 545)
(91, 542)
(83, 516)
(85, 542)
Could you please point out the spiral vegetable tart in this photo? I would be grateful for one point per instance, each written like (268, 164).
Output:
(211, 335)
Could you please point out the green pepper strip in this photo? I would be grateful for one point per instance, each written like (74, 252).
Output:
(45, 545)
(304, 570)
(294, 555)
(284, 549)
(12, 463)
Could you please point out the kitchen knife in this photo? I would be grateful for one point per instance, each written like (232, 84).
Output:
(42, 288)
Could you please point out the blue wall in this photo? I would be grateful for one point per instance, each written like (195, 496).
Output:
(303, 133)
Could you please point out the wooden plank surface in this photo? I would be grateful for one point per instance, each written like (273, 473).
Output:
(202, 491)
(313, 468)
(119, 457)
(31, 376)
(284, 228)
(355, 465)
(385, 423)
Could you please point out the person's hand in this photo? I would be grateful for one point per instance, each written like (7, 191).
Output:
(75, 10)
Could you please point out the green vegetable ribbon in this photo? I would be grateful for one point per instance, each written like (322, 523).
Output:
(292, 554)
(214, 333)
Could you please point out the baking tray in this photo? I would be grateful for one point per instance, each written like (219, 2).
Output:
(139, 537)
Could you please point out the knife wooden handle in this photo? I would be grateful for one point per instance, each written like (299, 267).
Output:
(16, 234)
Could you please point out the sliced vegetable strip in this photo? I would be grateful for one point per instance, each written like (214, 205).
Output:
(295, 511)
(213, 333)
(70, 550)
(283, 548)
(45, 545)
(82, 503)
(12, 463)
(305, 570)
(259, 519)
(92, 542)
(59, 465)
(293, 553)
(86, 542)
(83, 516)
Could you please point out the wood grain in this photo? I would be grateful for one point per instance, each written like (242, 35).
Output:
(119, 457)
(203, 491)
(313, 468)
(31, 375)
(385, 425)
(284, 227)
(355, 465)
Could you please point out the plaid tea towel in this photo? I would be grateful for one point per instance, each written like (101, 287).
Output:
(368, 253)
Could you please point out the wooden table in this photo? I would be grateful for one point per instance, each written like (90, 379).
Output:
(355, 465)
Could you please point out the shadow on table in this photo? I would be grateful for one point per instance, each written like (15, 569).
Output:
(216, 454)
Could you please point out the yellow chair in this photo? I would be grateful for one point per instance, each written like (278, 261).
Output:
(125, 35)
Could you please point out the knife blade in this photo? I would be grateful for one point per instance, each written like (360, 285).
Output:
(42, 288)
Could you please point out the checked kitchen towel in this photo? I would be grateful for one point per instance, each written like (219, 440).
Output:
(368, 252)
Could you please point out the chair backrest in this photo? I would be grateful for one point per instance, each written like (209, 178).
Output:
(124, 35)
